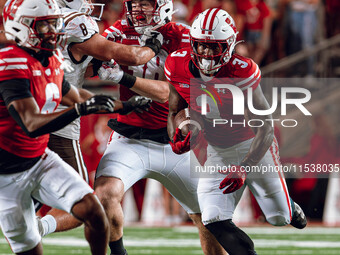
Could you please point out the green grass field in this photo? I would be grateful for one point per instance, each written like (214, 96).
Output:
(184, 241)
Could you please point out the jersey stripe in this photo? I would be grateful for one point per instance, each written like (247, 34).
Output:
(14, 67)
(254, 78)
(168, 77)
(167, 71)
(71, 16)
(12, 60)
(243, 82)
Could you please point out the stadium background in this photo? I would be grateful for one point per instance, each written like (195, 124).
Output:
(315, 140)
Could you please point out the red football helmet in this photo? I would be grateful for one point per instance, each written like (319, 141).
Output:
(160, 14)
(23, 21)
(213, 38)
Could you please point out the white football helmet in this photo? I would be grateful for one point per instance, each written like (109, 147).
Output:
(161, 14)
(214, 28)
(20, 19)
(84, 6)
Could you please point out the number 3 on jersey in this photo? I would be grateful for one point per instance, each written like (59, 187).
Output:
(179, 53)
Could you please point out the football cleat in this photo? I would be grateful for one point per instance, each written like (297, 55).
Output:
(299, 219)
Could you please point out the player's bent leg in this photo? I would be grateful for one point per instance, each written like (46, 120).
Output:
(270, 190)
(110, 191)
(233, 239)
(64, 221)
(58, 220)
(209, 244)
(90, 211)
(37, 250)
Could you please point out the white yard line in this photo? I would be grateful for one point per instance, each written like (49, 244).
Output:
(273, 230)
(163, 242)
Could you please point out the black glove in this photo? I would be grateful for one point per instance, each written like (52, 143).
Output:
(135, 103)
(152, 39)
(96, 104)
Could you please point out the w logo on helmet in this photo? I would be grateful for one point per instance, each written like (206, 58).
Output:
(10, 9)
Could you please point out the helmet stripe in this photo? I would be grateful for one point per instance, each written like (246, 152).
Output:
(206, 20)
(212, 20)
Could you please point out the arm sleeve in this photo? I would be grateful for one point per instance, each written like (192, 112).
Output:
(66, 86)
(14, 89)
(52, 126)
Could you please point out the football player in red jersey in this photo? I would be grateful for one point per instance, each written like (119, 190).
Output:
(208, 65)
(32, 85)
(139, 146)
(84, 43)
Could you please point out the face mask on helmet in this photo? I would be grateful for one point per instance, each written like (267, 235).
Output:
(213, 38)
(148, 14)
(95, 10)
(34, 24)
(210, 55)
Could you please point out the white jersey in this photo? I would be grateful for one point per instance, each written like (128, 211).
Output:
(79, 28)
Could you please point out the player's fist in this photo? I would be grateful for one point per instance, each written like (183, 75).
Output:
(96, 104)
(113, 34)
(110, 71)
(136, 103)
(236, 176)
(178, 145)
(152, 39)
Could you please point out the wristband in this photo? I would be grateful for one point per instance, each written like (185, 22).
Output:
(128, 80)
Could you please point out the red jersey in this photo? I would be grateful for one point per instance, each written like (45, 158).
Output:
(176, 36)
(45, 87)
(240, 71)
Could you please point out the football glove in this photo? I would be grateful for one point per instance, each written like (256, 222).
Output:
(236, 176)
(178, 146)
(114, 35)
(111, 71)
(152, 39)
(135, 103)
(96, 104)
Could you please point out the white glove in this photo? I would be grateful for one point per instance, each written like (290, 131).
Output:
(65, 63)
(151, 36)
(67, 66)
(111, 71)
(114, 34)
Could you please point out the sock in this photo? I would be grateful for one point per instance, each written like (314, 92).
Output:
(49, 224)
(117, 247)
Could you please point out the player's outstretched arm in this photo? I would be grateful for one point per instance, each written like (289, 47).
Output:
(154, 89)
(263, 135)
(105, 50)
(35, 123)
(76, 95)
